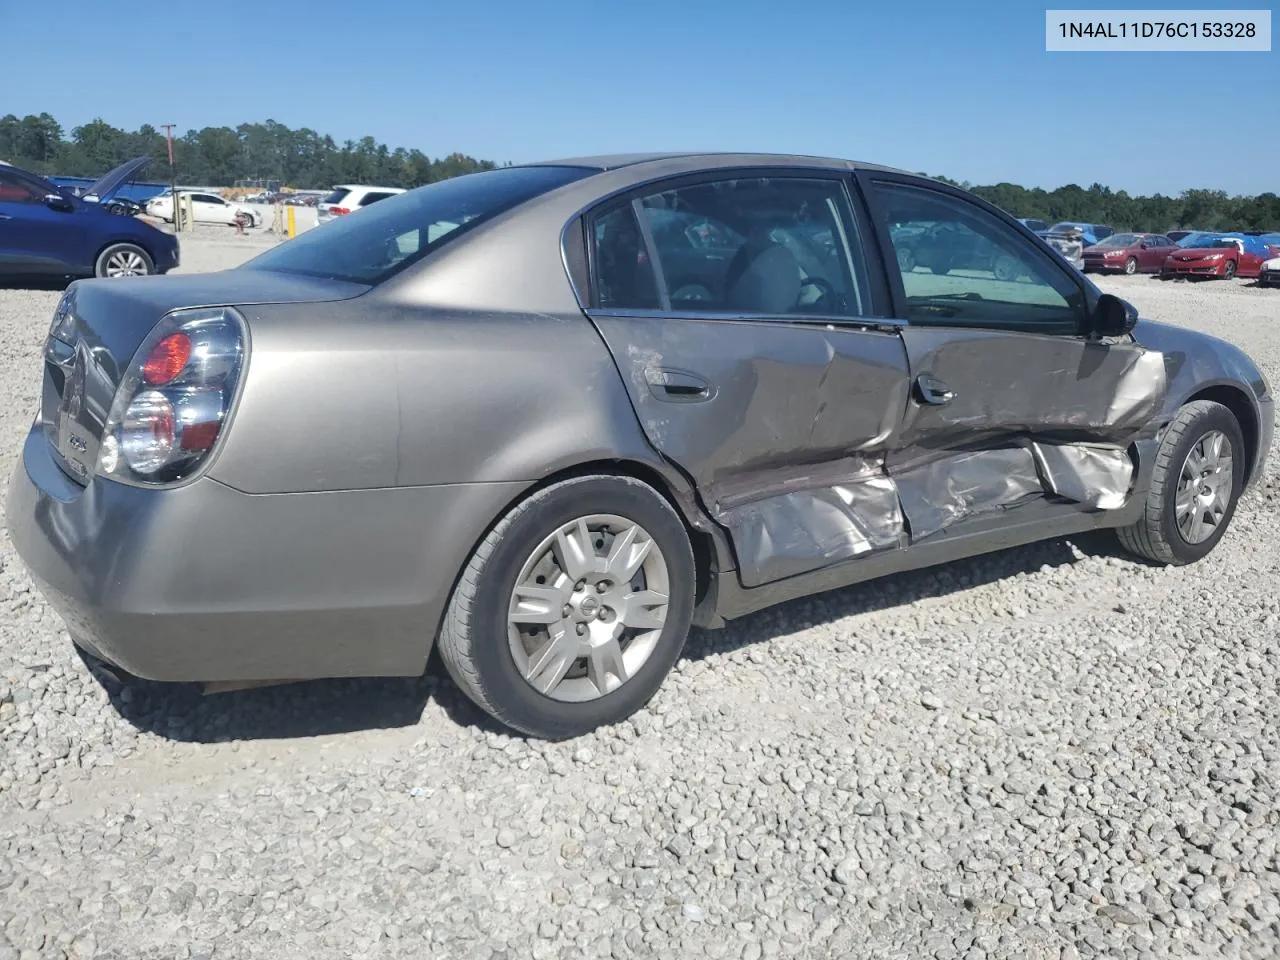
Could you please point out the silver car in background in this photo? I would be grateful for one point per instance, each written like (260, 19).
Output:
(551, 416)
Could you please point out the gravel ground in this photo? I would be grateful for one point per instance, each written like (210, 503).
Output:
(1051, 752)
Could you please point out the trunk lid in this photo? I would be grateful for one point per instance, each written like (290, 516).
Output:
(99, 325)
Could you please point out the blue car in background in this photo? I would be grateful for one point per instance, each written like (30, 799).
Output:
(47, 231)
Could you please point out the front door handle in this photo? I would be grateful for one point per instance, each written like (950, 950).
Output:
(678, 386)
(932, 390)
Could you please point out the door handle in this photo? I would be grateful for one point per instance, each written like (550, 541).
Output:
(678, 386)
(934, 391)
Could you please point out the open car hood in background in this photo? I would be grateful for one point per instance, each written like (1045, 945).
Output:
(111, 181)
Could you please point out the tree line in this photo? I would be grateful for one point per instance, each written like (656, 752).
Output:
(219, 156)
(303, 158)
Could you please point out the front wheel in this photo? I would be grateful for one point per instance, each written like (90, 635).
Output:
(1229, 271)
(1131, 266)
(1197, 479)
(123, 260)
(573, 609)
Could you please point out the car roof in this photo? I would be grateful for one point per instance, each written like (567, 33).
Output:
(693, 161)
(361, 186)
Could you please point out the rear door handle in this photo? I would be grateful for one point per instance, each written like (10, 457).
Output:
(932, 390)
(678, 386)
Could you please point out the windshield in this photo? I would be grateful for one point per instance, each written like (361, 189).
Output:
(382, 239)
(1120, 240)
(1202, 240)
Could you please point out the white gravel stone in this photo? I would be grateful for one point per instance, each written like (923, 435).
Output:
(1049, 752)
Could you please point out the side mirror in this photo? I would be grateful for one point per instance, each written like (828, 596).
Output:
(1113, 317)
(56, 201)
(1144, 245)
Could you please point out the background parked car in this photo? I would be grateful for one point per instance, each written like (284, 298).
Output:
(1176, 235)
(346, 197)
(1269, 273)
(1128, 253)
(47, 232)
(1031, 223)
(206, 208)
(1216, 256)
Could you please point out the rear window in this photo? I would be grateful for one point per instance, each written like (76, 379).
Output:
(337, 196)
(385, 238)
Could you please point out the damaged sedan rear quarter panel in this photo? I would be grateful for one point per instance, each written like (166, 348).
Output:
(764, 354)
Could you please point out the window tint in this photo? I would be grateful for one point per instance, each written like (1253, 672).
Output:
(624, 276)
(337, 196)
(208, 198)
(16, 190)
(374, 198)
(771, 245)
(406, 227)
(961, 266)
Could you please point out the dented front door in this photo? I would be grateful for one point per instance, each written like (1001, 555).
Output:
(1010, 401)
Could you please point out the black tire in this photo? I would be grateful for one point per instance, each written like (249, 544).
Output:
(1131, 266)
(1006, 268)
(1229, 271)
(1156, 536)
(473, 638)
(102, 266)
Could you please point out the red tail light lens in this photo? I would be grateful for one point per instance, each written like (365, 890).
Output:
(171, 405)
(339, 210)
(166, 359)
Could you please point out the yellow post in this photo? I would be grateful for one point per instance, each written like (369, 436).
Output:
(293, 222)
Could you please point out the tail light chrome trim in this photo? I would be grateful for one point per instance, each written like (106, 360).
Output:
(166, 435)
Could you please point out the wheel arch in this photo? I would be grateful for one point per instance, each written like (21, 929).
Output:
(1242, 408)
(707, 552)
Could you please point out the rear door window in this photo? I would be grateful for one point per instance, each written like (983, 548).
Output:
(758, 246)
(336, 196)
(406, 227)
(374, 197)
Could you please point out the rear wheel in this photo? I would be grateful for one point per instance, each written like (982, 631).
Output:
(1198, 475)
(1131, 265)
(123, 260)
(573, 609)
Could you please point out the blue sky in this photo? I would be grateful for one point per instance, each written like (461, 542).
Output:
(948, 88)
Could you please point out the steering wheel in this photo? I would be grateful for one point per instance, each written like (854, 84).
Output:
(829, 299)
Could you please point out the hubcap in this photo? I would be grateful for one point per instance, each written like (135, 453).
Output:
(126, 263)
(1204, 487)
(588, 608)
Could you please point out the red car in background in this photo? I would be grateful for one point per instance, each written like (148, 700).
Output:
(1128, 253)
(1216, 255)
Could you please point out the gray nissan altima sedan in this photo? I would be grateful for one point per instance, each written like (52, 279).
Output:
(550, 416)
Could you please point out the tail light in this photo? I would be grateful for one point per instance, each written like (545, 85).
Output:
(339, 211)
(174, 399)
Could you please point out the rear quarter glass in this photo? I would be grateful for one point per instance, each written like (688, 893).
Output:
(391, 235)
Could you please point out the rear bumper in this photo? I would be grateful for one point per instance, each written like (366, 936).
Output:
(1269, 278)
(204, 582)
